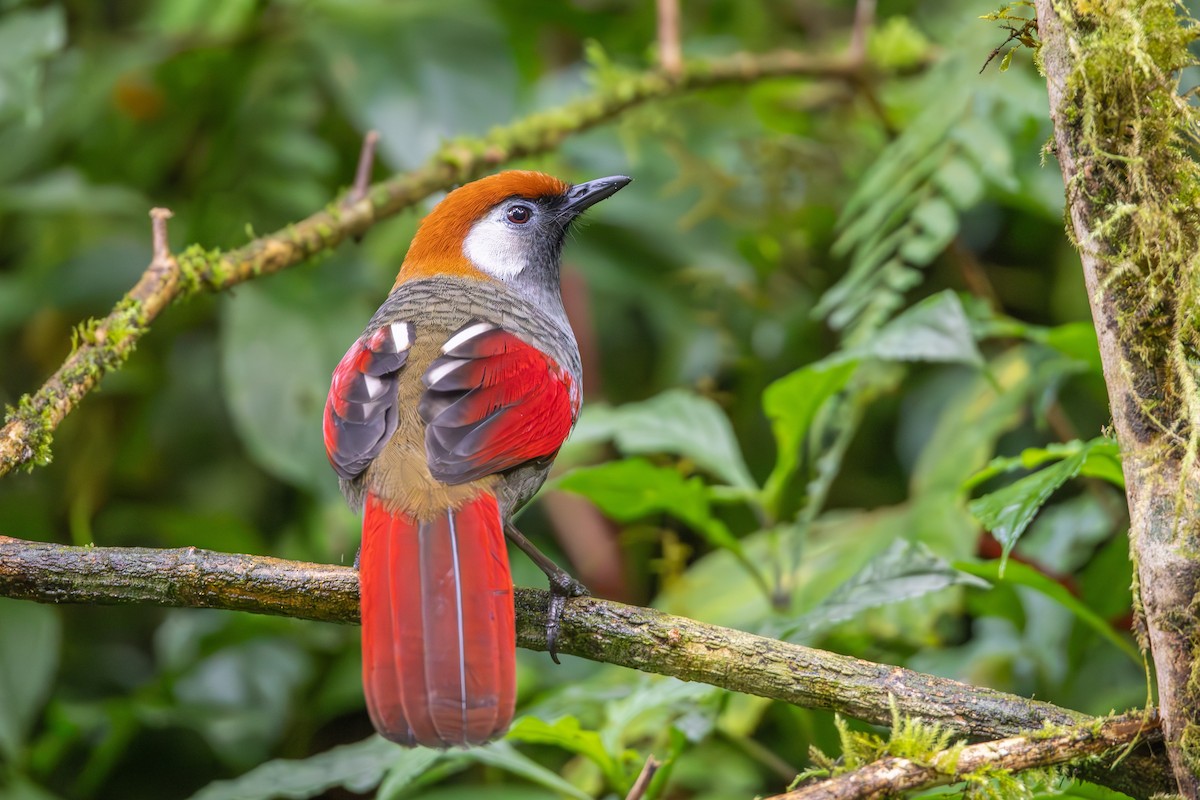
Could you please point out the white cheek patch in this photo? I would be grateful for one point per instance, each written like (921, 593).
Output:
(495, 249)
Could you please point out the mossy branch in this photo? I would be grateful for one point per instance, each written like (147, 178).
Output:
(1125, 139)
(104, 344)
(980, 764)
(599, 630)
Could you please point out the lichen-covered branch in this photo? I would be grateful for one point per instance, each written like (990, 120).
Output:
(979, 763)
(1125, 141)
(104, 344)
(99, 345)
(600, 630)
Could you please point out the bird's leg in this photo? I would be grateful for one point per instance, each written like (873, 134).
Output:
(562, 585)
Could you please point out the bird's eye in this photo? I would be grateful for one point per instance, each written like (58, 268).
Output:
(519, 214)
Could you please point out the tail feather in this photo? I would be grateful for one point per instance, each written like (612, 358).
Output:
(439, 660)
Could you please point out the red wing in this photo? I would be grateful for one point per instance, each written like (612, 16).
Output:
(493, 402)
(360, 413)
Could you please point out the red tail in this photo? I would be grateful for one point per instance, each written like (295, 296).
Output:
(439, 635)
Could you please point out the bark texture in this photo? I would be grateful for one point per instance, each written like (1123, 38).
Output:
(600, 630)
(1120, 135)
(975, 763)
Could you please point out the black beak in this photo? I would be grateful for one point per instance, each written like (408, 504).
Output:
(583, 196)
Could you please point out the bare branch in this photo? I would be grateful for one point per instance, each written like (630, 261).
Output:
(638, 790)
(890, 776)
(362, 175)
(600, 630)
(100, 345)
(670, 51)
(864, 18)
(28, 429)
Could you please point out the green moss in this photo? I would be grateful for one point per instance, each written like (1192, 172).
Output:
(1135, 136)
(1136, 163)
(202, 269)
(34, 417)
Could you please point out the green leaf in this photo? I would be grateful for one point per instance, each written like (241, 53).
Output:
(958, 181)
(503, 755)
(405, 772)
(792, 404)
(903, 571)
(937, 219)
(355, 767)
(27, 38)
(633, 488)
(568, 734)
(1075, 339)
(279, 345)
(30, 640)
(1007, 512)
(239, 697)
(1101, 459)
(936, 329)
(407, 79)
(1017, 574)
(685, 424)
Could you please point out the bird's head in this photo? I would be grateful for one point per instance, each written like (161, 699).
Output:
(507, 227)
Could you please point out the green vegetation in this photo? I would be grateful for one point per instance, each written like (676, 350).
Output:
(833, 332)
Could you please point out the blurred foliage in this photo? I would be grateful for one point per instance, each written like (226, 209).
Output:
(831, 329)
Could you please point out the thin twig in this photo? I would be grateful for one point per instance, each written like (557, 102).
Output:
(28, 428)
(362, 174)
(161, 249)
(888, 777)
(670, 51)
(643, 779)
(600, 630)
(101, 345)
(864, 18)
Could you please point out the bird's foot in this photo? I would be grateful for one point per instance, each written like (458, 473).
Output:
(562, 587)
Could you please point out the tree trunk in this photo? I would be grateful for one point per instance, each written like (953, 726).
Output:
(1121, 133)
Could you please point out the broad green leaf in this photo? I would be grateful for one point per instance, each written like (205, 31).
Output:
(239, 697)
(634, 488)
(1018, 574)
(903, 571)
(839, 545)
(921, 137)
(1075, 339)
(987, 147)
(792, 404)
(409, 80)
(279, 344)
(654, 704)
(959, 182)
(967, 419)
(28, 37)
(1101, 459)
(936, 329)
(30, 639)
(503, 755)
(937, 219)
(568, 734)
(1007, 512)
(896, 43)
(405, 772)
(18, 787)
(685, 424)
(355, 767)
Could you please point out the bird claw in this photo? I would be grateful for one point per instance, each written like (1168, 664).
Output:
(562, 586)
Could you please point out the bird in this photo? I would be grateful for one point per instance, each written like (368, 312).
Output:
(442, 420)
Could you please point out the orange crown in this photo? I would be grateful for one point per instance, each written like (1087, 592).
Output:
(437, 247)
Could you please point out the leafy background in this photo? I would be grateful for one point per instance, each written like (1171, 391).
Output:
(842, 387)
